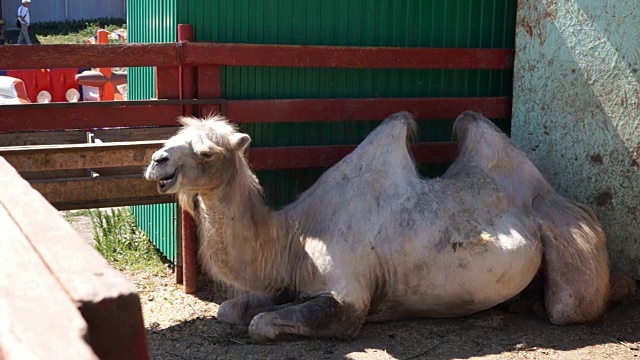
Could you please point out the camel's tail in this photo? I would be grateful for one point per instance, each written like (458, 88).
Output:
(576, 263)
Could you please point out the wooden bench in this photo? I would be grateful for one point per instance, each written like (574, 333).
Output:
(59, 299)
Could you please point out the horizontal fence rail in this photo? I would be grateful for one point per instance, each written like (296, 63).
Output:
(345, 56)
(94, 115)
(224, 54)
(39, 117)
(138, 154)
(331, 110)
(89, 56)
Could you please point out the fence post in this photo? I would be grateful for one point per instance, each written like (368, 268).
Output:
(188, 228)
(168, 87)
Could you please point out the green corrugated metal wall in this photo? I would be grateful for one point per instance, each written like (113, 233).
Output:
(407, 23)
(159, 223)
(152, 21)
(149, 21)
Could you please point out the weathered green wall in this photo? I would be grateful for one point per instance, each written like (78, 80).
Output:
(577, 108)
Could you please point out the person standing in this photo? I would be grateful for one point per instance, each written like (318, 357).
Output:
(25, 20)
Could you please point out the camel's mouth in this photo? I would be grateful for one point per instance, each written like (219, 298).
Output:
(166, 183)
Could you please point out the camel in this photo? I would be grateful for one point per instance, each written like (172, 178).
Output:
(373, 241)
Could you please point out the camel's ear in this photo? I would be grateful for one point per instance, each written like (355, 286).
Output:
(240, 141)
(206, 149)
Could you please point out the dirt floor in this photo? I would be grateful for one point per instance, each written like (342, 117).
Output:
(184, 326)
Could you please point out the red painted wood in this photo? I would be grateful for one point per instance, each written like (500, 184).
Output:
(36, 117)
(346, 56)
(168, 82)
(189, 253)
(168, 54)
(303, 157)
(187, 89)
(185, 32)
(188, 228)
(88, 56)
(304, 110)
(208, 84)
(14, 118)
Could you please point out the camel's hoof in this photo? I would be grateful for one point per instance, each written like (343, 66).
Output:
(262, 327)
(228, 313)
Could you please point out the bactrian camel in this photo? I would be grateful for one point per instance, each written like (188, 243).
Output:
(373, 241)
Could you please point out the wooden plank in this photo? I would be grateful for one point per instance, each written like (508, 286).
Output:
(39, 320)
(198, 53)
(304, 110)
(168, 83)
(81, 156)
(109, 203)
(208, 87)
(187, 75)
(43, 138)
(189, 247)
(99, 189)
(107, 301)
(54, 174)
(188, 227)
(302, 157)
(88, 56)
(36, 117)
(95, 156)
(135, 134)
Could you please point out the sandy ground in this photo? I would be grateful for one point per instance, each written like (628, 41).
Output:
(184, 326)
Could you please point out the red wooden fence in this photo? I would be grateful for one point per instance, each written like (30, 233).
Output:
(177, 84)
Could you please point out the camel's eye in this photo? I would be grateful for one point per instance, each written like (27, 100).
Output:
(206, 154)
(206, 149)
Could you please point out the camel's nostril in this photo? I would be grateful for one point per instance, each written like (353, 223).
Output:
(160, 158)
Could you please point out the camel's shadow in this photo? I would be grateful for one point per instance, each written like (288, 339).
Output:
(493, 332)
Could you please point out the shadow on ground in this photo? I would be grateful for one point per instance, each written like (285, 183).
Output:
(493, 333)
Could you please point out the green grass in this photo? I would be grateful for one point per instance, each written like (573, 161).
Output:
(122, 243)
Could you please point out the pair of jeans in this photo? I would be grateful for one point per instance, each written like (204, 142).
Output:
(24, 38)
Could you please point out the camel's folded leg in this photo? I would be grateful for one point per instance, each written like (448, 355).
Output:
(322, 316)
(240, 310)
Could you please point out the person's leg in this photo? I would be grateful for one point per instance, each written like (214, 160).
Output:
(21, 39)
(25, 30)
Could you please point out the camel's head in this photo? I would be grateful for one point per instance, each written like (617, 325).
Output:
(203, 155)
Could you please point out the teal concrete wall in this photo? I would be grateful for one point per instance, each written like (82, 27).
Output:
(577, 108)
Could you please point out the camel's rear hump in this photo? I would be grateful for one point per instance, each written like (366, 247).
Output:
(576, 264)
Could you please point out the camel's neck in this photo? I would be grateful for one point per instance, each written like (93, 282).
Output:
(243, 241)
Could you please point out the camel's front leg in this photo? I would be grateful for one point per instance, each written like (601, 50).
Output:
(320, 316)
(240, 310)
